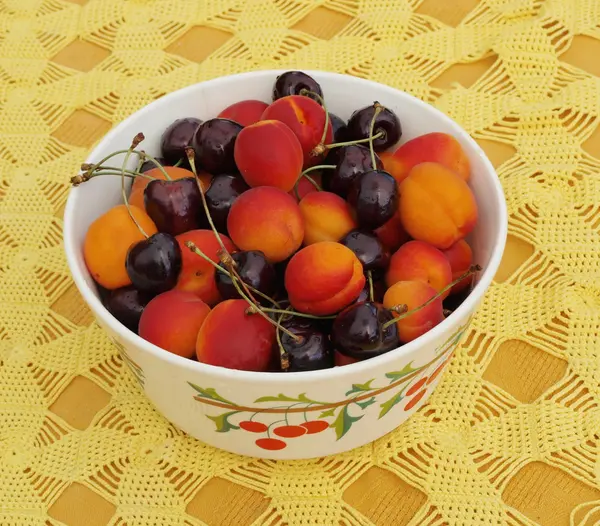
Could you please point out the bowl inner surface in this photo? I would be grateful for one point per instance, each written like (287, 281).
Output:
(343, 94)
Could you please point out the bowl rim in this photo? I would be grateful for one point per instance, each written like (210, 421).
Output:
(467, 306)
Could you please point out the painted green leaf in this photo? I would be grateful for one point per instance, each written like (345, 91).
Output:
(344, 422)
(365, 403)
(284, 398)
(360, 388)
(209, 393)
(396, 375)
(329, 412)
(386, 406)
(222, 422)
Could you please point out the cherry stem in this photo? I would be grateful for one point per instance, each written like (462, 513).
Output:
(378, 109)
(90, 168)
(136, 140)
(283, 355)
(310, 179)
(305, 92)
(191, 155)
(472, 270)
(156, 163)
(192, 246)
(350, 143)
(299, 314)
(255, 309)
(82, 178)
(370, 278)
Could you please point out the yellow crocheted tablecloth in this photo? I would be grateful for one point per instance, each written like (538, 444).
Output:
(512, 434)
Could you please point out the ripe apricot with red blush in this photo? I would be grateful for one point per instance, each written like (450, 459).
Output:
(413, 294)
(433, 147)
(233, 339)
(436, 205)
(172, 320)
(327, 217)
(244, 112)
(323, 278)
(306, 187)
(268, 153)
(306, 118)
(266, 219)
(460, 257)
(392, 234)
(198, 275)
(420, 261)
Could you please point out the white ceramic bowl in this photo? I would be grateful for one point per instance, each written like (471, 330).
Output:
(359, 402)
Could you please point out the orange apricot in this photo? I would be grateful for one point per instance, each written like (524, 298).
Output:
(136, 197)
(266, 219)
(460, 257)
(413, 294)
(392, 234)
(327, 217)
(436, 205)
(306, 118)
(198, 275)
(433, 147)
(420, 261)
(233, 339)
(244, 112)
(323, 278)
(268, 153)
(172, 320)
(108, 240)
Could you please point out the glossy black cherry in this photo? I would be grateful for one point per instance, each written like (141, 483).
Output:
(153, 265)
(368, 249)
(379, 290)
(293, 82)
(358, 331)
(374, 197)
(352, 161)
(224, 189)
(313, 352)
(127, 304)
(386, 123)
(176, 138)
(174, 206)
(255, 270)
(213, 143)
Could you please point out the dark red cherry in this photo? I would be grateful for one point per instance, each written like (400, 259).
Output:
(224, 189)
(153, 265)
(174, 206)
(176, 138)
(352, 161)
(312, 352)
(379, 290)
(358, 331)
(213, 143)
(386, 123)
(127, 304)
(374, 197)
(255, 270)
(340, 128)
(292, 82)
(150, 165)
(368, 249)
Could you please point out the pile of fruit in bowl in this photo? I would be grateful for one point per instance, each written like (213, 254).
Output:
(280, 238)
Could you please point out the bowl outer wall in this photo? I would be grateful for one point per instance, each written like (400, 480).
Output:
(167, 376)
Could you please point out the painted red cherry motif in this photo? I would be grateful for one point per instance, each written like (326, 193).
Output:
(253, 427)
(414, 388)
(271, 444)
(315, 426)
(290, 431)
